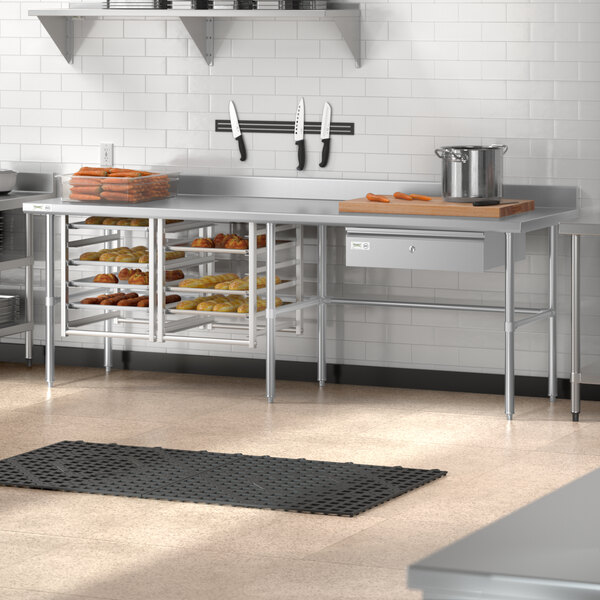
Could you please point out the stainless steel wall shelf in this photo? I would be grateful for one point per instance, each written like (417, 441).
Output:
(198, 23)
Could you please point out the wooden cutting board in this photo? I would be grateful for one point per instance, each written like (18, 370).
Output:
(435, 206)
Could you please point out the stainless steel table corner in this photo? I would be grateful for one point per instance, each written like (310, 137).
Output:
(547, 550)
(587, 223)
(273, 201)
(42, 186)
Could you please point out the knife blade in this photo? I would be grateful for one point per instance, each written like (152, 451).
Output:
(299, 134)
(236, 131)
(325, 124)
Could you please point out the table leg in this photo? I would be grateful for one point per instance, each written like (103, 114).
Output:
(107, 347)
(270, 313)
(552, 382)
(322, 293)
(50, 300)
(575, 330)
(29, 288)
(509, 330)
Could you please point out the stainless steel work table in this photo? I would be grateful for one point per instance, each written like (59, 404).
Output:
(274, 201)
(8, 261)
(547, 550)
(587, 223)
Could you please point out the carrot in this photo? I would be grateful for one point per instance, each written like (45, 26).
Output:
(89, 172)
(94, 190)
(84, 181)
(377, 198)
(420, 197)
(401, 196)
(84, 197)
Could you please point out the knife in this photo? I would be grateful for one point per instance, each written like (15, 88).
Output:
(236, 131)
(299, 134)
(325, 123)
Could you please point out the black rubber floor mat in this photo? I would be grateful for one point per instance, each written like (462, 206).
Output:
(330, 488)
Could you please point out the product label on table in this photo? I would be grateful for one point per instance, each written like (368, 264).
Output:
(42, 207)
(355, 245)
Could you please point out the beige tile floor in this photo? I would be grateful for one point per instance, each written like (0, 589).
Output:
(61, 546)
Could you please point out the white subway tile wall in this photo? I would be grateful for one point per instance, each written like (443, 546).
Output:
(524, 73)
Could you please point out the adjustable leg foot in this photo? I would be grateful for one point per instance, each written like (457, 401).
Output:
(509, 417)
(270, 399)
(322, 382)
(29, 362)
(575, 417)
(552, 398)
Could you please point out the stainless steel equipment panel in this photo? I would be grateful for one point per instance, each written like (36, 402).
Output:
(428, 249)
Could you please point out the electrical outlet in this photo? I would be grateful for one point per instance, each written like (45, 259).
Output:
(106, 155)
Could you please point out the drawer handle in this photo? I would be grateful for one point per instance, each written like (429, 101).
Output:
(411, 249)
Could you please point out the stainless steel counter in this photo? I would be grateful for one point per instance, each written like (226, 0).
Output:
(273, 201)
(546, 550)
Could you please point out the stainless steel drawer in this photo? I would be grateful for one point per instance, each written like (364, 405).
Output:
(425, 249)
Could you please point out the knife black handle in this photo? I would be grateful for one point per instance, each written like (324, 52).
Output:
(242, 146)
(301, 155)
(325, 153)
(485, 202)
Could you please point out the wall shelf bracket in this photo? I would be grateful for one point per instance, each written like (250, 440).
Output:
(60, 29)
(202, 31)
(350, 29)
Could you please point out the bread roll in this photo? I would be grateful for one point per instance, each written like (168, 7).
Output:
(108, 256)
(174, 275)
(189, 304)
(139, 278)
(90, 256)
(203, 243)
(106, 278)
(208, 281)
(110, 221)
(94, 220)
(236, 243)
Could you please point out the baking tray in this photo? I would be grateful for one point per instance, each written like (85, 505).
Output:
(279, 245)
(280, 286)
(89, 282)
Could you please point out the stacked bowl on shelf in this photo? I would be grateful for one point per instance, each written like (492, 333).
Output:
(9, 309)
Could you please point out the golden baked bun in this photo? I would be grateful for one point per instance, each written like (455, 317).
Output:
(144, 258)
(169, 221)
(139, 222)
(208, 281)
(106, 278)
(108, 256)
(173, 254)
(139, 278)
(203, 243)
(126, 273)
(261, 240)
(142, 248)
(90, 256)
(125, 258)
(94, 220)
(110, 221)
(236, 243)
(124, 222)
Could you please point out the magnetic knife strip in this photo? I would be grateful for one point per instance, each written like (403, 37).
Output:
(284, 127)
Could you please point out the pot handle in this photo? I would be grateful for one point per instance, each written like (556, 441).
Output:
(454, 154)
(503, 146)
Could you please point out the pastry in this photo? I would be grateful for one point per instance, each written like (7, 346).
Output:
(261, 240)
(230, 305)
(169, 221)
(173, 254)
(90, 301)
(108, 256)
(124, 222)
(106, 278)
(208, 281)
(203, 243)
(142, 248)
(144, 302)
(143, 258)
(126, 273)
(139, 278)
(189, 304)
(139, 222)
(110, 221)
(90, 256)
(94, 220)
(236, 243)
(210, 302)
(174, 275)
(113, 300)
(172, 298)
(129, 301)
(126, 258)
(261, 304)
(121, 250)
